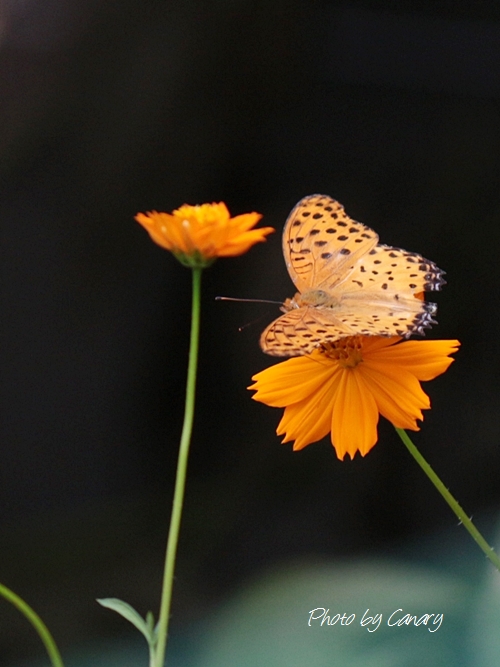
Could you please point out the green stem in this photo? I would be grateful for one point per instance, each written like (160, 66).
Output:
(180, 480)
(36, 622)
(462, 516)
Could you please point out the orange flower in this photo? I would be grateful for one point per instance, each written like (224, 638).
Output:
(342, 387)
(197, 235)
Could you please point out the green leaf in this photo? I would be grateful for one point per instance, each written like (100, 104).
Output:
(128, 612)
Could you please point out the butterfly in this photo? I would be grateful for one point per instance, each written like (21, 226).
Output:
(348, 283)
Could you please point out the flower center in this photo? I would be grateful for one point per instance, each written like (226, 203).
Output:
(346, 351)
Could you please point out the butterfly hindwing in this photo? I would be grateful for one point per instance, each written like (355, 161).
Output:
(393, 271)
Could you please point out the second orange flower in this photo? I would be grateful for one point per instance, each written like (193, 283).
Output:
(197, 235)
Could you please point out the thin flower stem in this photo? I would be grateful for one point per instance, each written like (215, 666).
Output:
(180, 480)
(36, 622)
(462, 516)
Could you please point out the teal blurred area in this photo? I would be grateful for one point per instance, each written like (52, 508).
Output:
(276, 618)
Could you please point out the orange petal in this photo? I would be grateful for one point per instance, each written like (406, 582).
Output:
(240, 244)
(355, 416)
(426, 359)
(398, 394)
(292, 381)
(246, 221)
(309, 420)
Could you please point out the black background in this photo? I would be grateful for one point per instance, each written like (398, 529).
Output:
(113, 108)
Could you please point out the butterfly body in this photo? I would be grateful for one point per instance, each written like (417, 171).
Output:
(313, 297)
(348, 283)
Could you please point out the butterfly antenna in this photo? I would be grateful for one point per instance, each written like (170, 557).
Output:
(230, 298)
(250, 324)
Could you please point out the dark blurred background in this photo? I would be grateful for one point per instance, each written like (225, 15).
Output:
(112, 108)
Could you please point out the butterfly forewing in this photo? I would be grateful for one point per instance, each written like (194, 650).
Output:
(301, 330)
(321, 242)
